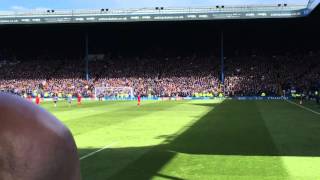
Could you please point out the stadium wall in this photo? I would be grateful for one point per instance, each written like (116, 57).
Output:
(145, 15)
(312, 5)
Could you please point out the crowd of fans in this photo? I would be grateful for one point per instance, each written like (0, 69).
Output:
(183, 76)
(273, 75)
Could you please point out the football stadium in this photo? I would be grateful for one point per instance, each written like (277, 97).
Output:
(188, 93)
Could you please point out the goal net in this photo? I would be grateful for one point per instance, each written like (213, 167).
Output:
(114, 92)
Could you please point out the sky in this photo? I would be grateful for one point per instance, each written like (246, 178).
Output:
(97, 4)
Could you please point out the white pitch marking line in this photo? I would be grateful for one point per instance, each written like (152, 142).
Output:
(303, 107)
(95, 152)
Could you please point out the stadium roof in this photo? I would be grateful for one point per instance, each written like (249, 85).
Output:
(157, 14)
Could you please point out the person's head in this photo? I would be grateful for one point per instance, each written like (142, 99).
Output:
(34, 145)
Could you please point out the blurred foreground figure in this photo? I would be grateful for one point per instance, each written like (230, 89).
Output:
(34, 145)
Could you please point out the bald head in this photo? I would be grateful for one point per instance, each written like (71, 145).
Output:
(34, 145)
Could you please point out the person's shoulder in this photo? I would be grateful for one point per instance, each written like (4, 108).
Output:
(18, 111)
(33, 136)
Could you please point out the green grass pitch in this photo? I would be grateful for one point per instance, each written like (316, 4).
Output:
(175, 140)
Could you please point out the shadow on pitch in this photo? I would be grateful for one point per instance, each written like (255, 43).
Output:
(116, 163)
(226, 130)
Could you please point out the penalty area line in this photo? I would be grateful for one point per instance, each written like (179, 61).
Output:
(95, 152)
(303, 107)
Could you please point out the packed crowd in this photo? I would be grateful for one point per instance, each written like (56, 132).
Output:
(164, 76)
(274, 75)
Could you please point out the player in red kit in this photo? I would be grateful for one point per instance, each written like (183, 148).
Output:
(38, 99)
(79, 99)
(139, 100)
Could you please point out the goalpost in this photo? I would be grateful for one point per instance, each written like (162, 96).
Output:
(114, 92)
